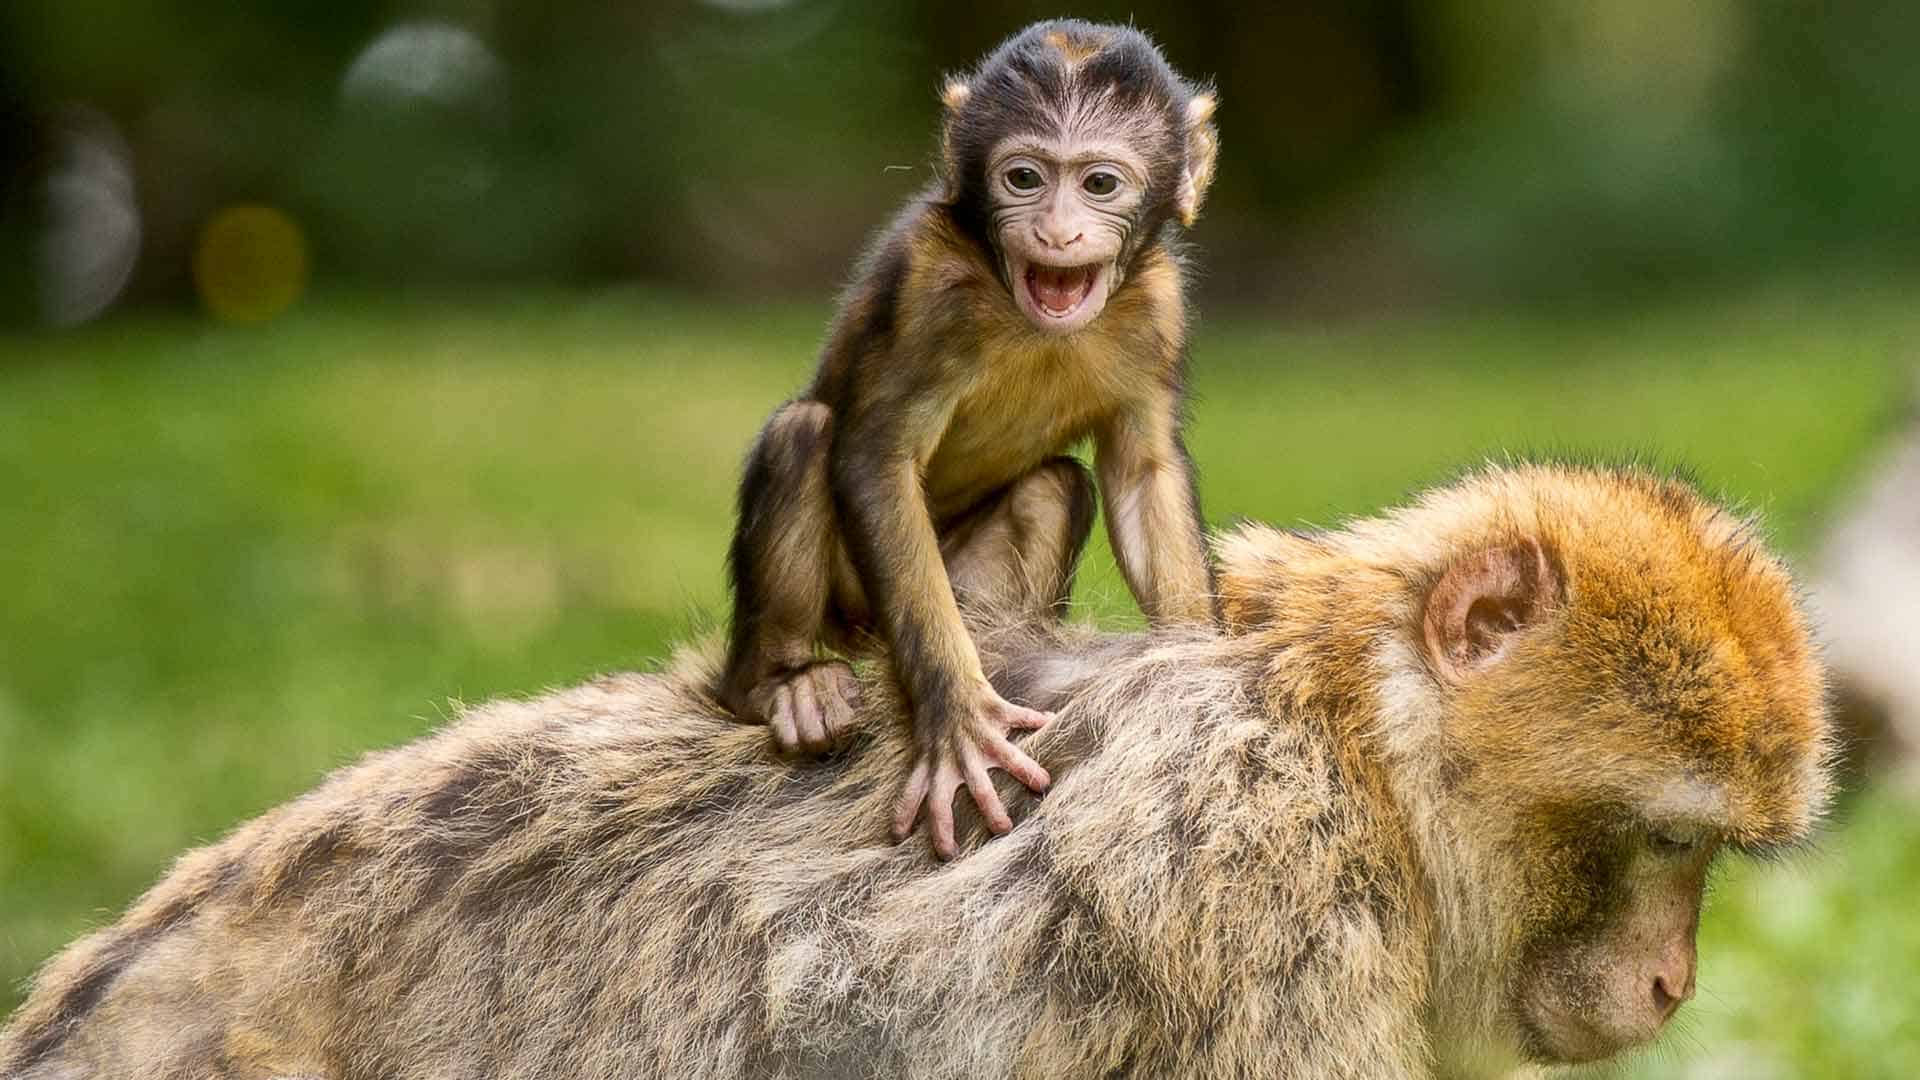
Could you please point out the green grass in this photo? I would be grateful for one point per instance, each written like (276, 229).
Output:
(234, 558)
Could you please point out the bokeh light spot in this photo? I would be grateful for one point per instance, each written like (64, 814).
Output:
(92, 238)
(424, 63)
(250, 264)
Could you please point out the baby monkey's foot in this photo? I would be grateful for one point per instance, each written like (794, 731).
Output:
(809, 709)
(959, 755)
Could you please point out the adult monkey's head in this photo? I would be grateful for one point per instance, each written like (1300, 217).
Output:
(1067, 153)
(1619, 689)
(1588, 685)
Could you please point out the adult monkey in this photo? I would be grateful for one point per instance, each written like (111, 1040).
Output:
(1442, 795)
(1029, 299)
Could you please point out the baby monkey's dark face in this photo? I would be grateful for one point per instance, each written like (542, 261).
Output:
(1064, 209)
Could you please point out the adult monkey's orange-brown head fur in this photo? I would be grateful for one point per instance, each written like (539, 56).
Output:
(1587, 681)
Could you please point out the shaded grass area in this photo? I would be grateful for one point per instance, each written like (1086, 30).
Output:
(236, 558)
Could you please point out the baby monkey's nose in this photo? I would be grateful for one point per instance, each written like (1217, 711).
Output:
(1050, 237)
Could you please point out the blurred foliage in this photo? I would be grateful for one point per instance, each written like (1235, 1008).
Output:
(1655, 144)
(1378, 154)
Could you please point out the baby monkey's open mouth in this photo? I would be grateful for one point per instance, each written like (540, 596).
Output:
(1059, 299)
(1058, 291)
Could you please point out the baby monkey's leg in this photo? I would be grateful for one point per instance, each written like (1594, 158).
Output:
(1014, 558)
(784, 562)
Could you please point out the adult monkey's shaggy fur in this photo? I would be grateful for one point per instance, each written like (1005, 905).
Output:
(1443, 792)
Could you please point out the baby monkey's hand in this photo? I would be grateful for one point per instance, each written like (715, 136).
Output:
(957, 748)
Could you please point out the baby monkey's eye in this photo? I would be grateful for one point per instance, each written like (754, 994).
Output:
(1022, 178)
(1101, 183)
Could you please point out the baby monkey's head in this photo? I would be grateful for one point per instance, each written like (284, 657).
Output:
(1067, 153)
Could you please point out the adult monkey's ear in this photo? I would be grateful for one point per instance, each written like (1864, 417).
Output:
(1483, 603)
(1203, 148)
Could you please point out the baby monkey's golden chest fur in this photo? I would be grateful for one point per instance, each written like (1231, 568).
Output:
(1025, 396)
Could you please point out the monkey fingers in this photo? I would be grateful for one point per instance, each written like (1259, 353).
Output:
(963, 759)
(906, 809)
(780, 717)
(934, 785)
(809, 727)
(811, 710)
(1009, 756)
(973, 764)
(946, 784)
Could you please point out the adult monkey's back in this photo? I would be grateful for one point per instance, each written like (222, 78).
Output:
(1450, 781)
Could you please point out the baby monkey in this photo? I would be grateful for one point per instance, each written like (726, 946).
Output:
(1029, 299)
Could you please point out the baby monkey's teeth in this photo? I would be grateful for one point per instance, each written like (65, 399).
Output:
(1059, 290)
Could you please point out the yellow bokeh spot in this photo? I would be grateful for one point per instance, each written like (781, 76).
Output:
(250, 264)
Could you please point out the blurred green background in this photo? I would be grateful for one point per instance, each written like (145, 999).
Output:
(455, 410)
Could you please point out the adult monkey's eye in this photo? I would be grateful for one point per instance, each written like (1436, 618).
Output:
(1672, 843)
(1022, 178)
(1101, 183)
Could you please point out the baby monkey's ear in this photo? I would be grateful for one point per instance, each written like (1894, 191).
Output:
(953, 96)
(1203, 148)
(1483, 603)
